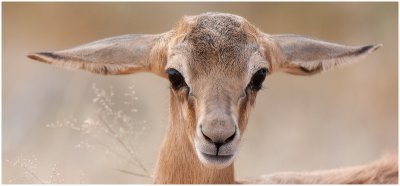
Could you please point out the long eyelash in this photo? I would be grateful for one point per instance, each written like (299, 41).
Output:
(264, 87)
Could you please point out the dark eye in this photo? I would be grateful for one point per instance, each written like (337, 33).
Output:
(176, 78)
(257, 79)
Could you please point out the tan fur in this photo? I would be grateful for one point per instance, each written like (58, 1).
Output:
(217, 54)
(382, 171)
(178, 162)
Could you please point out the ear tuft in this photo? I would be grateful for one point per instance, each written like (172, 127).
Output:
(371, 48)
(43, 57)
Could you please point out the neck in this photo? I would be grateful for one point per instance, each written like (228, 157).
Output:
(178, 163)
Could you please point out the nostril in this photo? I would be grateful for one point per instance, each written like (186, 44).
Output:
(230, 138)
(206, 137)
(220, 143)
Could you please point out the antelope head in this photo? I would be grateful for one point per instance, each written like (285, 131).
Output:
(216, 63)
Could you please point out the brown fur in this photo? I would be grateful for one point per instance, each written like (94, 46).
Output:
(217, 55)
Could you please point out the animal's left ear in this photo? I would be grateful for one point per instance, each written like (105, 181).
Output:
(305, 56)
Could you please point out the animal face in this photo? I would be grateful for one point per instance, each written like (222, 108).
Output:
(216, 63)
(216, 69)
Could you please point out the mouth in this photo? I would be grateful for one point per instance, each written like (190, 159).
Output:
(217, 159)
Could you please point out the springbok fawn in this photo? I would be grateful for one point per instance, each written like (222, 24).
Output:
(216, 63)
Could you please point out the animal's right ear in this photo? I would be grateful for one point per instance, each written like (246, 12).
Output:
(116, 55)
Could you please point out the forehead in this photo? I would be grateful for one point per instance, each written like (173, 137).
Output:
(218, 43)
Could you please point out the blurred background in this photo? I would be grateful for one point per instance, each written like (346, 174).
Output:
(338, 118)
